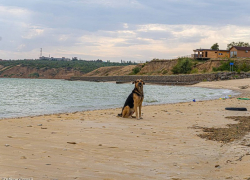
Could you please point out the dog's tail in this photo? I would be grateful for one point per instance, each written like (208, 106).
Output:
(119, 115)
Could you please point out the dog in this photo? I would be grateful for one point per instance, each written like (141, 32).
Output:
(134, 101)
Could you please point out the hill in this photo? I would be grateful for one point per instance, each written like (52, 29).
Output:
(165, 67)
(51, 69)
(67, 69)
(112, 71)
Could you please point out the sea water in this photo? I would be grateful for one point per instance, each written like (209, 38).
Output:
(30, 97)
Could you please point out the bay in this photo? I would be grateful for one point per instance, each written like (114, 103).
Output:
(31, 97)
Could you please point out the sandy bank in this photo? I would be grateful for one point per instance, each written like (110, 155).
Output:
(99, 145)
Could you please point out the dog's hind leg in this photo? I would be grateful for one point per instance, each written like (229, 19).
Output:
(126, 112)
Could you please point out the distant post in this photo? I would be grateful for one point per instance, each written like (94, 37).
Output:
(231, 66)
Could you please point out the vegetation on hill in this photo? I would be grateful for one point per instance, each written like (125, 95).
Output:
(191, 66)
(135, 70)
(83, 66)
(184, 66)
(66, 69)
(237, 66)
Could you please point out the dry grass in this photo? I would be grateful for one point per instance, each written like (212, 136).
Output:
(233, 132)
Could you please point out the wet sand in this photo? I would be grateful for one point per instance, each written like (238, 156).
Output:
(99, 145)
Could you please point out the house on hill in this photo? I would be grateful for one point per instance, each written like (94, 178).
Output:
(239, 52)
(206, 54)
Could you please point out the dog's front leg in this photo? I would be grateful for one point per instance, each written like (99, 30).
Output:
(140, 111)
(136, 111)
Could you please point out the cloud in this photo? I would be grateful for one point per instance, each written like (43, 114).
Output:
(115, 29)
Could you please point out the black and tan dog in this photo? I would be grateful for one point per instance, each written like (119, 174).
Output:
(134, 101)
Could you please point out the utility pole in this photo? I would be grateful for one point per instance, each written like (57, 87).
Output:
(41, 52)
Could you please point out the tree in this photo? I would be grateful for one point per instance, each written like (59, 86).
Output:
(215, 46)
(241, 44)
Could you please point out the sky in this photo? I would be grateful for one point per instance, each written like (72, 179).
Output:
(115, 30)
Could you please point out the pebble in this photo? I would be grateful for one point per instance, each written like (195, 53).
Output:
(39, 125)
(29, 126)
(7, 145)
(71, 142)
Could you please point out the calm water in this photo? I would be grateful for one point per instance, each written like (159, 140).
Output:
(28, 97)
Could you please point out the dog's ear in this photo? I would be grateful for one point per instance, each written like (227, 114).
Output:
(143, 82)
(133, 82)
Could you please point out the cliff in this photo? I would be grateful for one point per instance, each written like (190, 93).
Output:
(152, 68)
(19, 71)
(112, 71)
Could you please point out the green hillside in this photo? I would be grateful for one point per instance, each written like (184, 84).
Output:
(81, 65)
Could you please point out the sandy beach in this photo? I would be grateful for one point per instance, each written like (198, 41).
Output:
(95, 145)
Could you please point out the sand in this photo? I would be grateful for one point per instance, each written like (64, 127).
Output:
(99, 145)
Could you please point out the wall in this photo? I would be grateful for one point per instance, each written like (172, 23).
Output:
(225, 54)
(243, 54)
(215, 54)
(172, 80)
(232, 50)
(212, 54)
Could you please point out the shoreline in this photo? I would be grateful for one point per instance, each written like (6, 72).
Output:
(98, 145)
(114, 108)
(66, 112)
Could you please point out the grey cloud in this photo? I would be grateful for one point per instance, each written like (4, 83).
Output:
(76, 18)
(94, 17)
(131, 42)
(191, 39)
(156, 35)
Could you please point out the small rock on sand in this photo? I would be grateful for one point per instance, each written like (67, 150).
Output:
(71, 142)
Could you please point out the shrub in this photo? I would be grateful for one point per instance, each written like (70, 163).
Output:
(204, 71)
(225, 66)
(136, 70)
(184, 66)
(143, 65)
(194, 71)
(164, 71)
(244, 67)
(34, 75)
